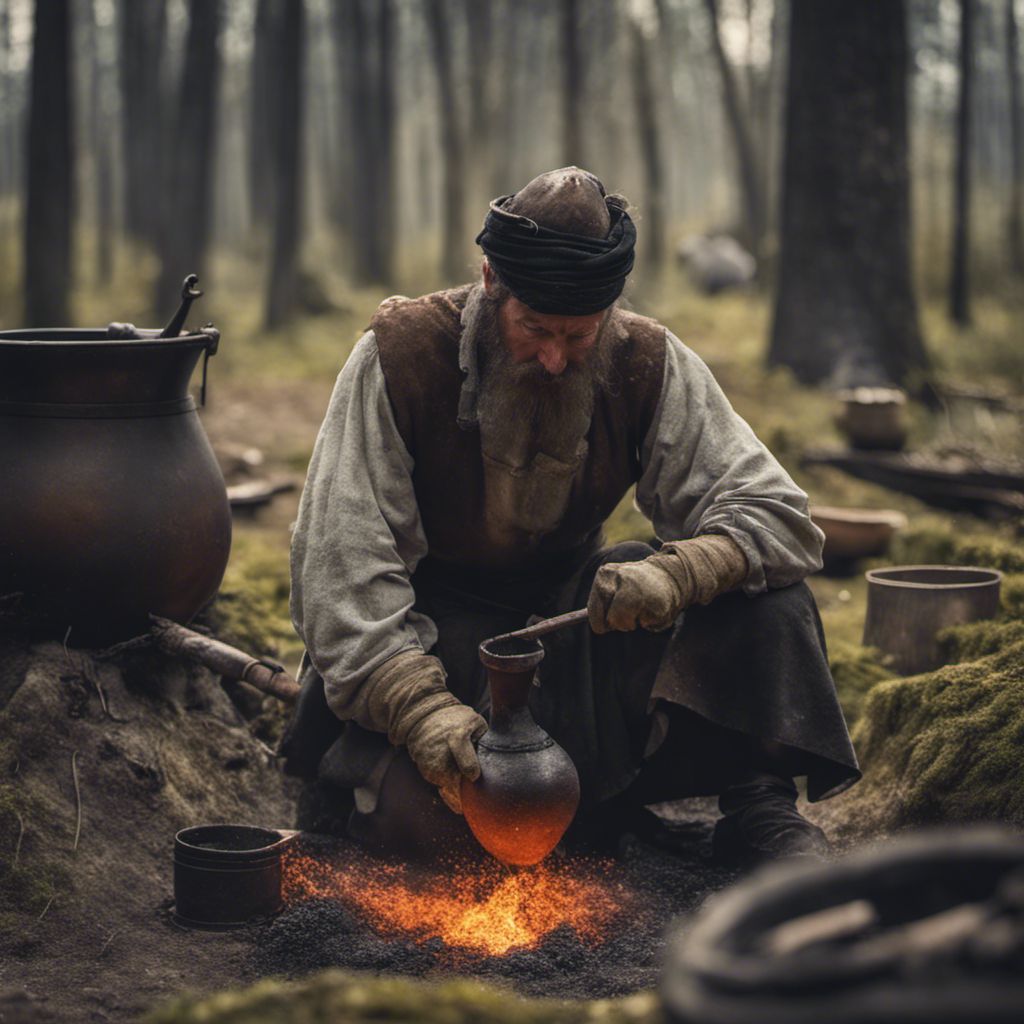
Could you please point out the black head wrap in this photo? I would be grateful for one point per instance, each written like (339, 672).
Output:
(555, 271)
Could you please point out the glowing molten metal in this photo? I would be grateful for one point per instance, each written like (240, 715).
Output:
(483, 910)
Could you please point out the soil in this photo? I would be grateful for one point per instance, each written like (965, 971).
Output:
(143, 745)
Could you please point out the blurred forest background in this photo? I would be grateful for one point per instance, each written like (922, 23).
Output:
(310, 157)
(293, 151)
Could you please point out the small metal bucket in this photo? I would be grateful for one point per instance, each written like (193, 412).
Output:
(226, 875)
(909, 604)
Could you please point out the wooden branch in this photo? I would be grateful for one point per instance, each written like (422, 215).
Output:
(224, 659)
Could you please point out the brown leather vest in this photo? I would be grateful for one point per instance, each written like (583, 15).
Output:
(418, 342)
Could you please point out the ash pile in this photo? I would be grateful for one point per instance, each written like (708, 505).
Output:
(579, 926)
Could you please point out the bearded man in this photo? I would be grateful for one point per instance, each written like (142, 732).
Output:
(475, 444)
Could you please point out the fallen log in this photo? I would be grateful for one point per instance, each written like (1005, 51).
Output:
(263, 674)
(966, 489)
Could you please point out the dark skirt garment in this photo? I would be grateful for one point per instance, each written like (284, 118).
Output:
(741, 684)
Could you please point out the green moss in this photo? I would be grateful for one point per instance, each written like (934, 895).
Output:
(1011, 596)
(978, 639)
(938, 541)
(856, 670)
(251, 610)
(944, 746)
(27, 881)
(336, 996)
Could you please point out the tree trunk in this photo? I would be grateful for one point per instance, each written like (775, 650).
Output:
(572, 84)
(642, 61)
(1015, 216)
(48, 208)
(10, 143)
(845, 309)
(101, 73)
(384, 143)
(190, 166)
(739, 128)
(483, 77)
(287, 64)
(453, 228)
(959, 283)
(261, 114)
(367, 47)
(142, 31)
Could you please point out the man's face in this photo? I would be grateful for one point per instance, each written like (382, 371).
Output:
(553, 342)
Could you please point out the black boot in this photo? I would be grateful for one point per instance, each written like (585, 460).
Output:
(762, 823)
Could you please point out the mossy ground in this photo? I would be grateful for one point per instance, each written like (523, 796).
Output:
(336, 996)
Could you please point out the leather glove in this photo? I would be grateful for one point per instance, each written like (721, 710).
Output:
(652, 592)
(408, 699)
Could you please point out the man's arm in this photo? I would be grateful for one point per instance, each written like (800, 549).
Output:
(358, 537)
(705, 472)
(729, 514)
(357, 541)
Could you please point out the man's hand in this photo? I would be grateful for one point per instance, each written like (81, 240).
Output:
(653, 592)
(407, 698)
(442, 745)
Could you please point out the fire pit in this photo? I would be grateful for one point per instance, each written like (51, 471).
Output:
(573, 927)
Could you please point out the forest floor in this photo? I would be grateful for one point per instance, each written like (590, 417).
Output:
(269, 392)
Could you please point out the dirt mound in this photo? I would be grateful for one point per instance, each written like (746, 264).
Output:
(101, 762)
(940, 747)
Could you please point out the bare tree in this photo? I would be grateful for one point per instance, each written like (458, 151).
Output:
(188, 194)
(142, 30)
(571, 61)
(48, 208)
(845, 309)
(286, 130)
(739, 128)
(261, 114)
(1015, 216)
(365, 41)
(959, 281)
(453, 219)
(10, 144)
(642, 60)
(484, 71)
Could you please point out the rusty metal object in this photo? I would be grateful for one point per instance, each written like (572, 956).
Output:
(544, 626)
(528, 790)
(113, 504)
(927, 927)
(852, 533)
(265, 675)
(227, 875)
(909, 604)
(874, 419)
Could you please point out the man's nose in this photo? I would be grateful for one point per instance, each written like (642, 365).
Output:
(552, 357)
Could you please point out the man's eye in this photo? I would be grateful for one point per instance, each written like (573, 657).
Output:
(534, 329)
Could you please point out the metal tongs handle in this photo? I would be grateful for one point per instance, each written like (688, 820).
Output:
(546, 626)
(189, 294)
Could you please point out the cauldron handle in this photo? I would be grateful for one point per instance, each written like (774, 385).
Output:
(189, 294)
(210, 349)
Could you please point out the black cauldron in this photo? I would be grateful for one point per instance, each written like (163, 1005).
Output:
(112, 504)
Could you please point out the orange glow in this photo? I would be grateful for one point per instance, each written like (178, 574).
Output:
(483, 910)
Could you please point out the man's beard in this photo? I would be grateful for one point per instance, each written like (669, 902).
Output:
(522, 409)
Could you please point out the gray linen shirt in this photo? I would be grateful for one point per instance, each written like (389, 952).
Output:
(359, 538)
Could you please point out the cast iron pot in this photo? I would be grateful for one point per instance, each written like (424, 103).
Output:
(112, 503)
(227, 875)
